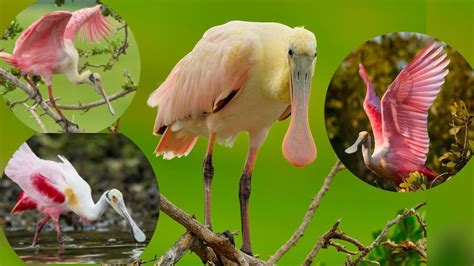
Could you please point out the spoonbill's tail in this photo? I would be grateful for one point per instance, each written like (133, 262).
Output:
(8, 58)
(429, 173)
(21, 164)
(173, 144)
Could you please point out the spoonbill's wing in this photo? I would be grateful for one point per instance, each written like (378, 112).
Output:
(24, 203)
(40, 43)
(35, 177)
(372, 107)
(406, 102)
(89, 23)
(206, 79)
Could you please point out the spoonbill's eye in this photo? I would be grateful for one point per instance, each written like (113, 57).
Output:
(290, 52)
(315, 54)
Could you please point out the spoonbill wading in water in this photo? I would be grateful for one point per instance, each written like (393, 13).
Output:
(54, 188)
(399, 121)
(241, 76)
(47, 48)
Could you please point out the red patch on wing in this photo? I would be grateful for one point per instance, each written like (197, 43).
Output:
(41, 184)
(24, 203)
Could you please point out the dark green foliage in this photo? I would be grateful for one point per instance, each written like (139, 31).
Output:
(407, 233)
(384, 57)
(12, 31)
(461, 148)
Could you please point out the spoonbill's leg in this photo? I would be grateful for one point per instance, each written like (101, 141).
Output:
(208, 173)
(58, 229)
(32, 84)
(244, 195)
(39, 227)
(53, 103)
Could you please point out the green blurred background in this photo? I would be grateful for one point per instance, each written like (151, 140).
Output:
(383, 58)
(96, 118)
(167, 30)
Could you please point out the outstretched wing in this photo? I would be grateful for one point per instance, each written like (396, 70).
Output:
(41, 180)
(39, 43)
(372, 107)
(206, 79)
(406, 102)
(89, 23)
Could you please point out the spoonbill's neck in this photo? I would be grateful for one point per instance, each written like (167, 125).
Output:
(76, 78)
(97, 209)
(366, 147)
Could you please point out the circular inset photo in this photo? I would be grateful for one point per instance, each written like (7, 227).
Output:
(78, 198)
(399, 112)
(68, 66)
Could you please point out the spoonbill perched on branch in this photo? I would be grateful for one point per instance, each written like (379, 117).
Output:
(241, 76)
(54, 188)
(47, 48)
(400, 121)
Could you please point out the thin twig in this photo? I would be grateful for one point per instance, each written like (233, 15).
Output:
(321, 243)
(97, 103)
(308, 216)
(35, 116)
(422, 224)
(406, 246)
(12, 104)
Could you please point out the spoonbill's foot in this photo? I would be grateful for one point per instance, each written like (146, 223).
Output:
(248, 252)
(227, 234)
(67, 124)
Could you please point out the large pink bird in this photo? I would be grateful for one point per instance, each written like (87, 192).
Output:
(399, 121)
(241, 76)
(47, 48)
(54, 188)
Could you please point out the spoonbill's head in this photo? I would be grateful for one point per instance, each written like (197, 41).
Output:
(298, 146)
(115, 199)
(363, 137)
(95, 81)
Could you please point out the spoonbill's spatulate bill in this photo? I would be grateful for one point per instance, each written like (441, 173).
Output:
(47, 47)
(399, 121)
(54, 188)
(241, 76)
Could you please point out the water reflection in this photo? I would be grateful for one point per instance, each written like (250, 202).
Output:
(79, 247)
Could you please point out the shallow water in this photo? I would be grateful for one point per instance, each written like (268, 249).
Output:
(79, 247)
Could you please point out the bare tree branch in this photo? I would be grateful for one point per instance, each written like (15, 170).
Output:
(66, 126)
(219, 243)
(308, 216)
(177, 251)
(97, 103)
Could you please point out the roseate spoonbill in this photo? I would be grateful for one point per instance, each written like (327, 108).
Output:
(399, 121)
(241, 76)
(47, 47)
(54, 188)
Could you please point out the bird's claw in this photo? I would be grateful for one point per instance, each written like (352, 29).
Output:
(227, 234)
